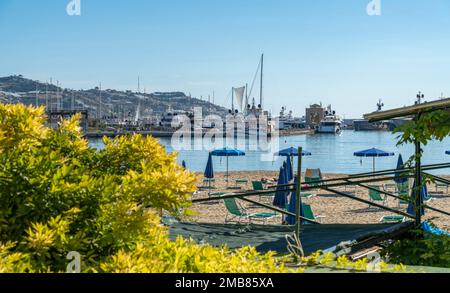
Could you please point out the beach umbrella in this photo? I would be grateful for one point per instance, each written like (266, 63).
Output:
(226, 152)
(209, 171)
(286, 174)
(400, 166)
(289, 169)
(292, 206)
(447, 152)
(423, 197)
(291, 152)
(183, 164)
(280, 199)
(374, 153)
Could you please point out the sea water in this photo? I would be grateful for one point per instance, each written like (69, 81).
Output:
(330, 153)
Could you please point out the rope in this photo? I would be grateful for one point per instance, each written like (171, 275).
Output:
(294, 246)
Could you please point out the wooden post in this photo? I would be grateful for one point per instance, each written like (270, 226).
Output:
(418, 185)
(298, 193)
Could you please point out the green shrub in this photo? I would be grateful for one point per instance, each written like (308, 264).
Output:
(58, 195)
(420, 249)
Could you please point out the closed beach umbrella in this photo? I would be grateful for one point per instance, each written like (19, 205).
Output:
(289, 169)
(374, 153)
(209, 171)
(290, 153)
(280, 199)
(400, 166)
(292, 207)
(183, 164)
(423, 197)
(286, 174)
(226, 152)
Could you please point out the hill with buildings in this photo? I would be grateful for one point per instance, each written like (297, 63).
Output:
(100, 103)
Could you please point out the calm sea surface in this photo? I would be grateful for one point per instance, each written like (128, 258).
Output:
(330, 153)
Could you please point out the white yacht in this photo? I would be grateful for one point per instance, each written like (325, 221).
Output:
(331, 123)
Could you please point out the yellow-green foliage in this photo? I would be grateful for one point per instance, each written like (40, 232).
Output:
(58, 195)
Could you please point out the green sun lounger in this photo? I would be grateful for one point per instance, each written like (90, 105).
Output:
(237, 213)
(259, 186)
(309, 214)
(392, 219)
(375, 195)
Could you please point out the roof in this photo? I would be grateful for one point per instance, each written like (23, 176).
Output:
(442, 104)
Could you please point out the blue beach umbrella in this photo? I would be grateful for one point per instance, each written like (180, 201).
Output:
(291, 152)
(226, 152)
(209, 171)
(400, 165)
(374, 153)
(286, 174)
(183, 164)
(280, 199)
(293, 207)
(423, 197)
(289, 169)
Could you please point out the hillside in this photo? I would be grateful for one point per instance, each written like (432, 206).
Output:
(16, 88)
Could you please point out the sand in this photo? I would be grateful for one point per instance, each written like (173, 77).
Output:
(330, 208)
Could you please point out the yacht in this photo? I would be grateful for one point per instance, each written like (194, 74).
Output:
(331, 123)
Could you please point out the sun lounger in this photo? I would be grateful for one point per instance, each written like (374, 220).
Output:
(392, 219)
(403, 192)
(241, 182)
(313, 175)
(237, 213)
(259, 186)
(442, 185)
(375, 196)
(309, 214)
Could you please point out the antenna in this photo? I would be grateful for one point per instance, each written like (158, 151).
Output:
(139, 84)
(420, 96)
(380, 105)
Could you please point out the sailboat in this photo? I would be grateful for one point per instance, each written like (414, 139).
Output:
(240, 104)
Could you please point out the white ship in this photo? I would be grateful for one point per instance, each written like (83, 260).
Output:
(331, 123)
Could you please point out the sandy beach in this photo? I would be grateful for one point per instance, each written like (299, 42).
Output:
(330, 208)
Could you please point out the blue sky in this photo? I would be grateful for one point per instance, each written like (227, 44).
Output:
(316, 50)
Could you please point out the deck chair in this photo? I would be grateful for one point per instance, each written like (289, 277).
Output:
(206, 182)
(309, 214)
(259, 186)
(237, 212)
(392, 219)
(312, 175)
(241, 182)
(375, 196)
(441, 185)
(403, 191)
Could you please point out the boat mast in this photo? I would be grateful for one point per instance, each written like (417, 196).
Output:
(232, 100)
(261, 84)
(246, 99)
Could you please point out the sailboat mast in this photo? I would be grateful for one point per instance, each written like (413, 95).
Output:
(246, 98)
(232, 100)
(261, 84)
